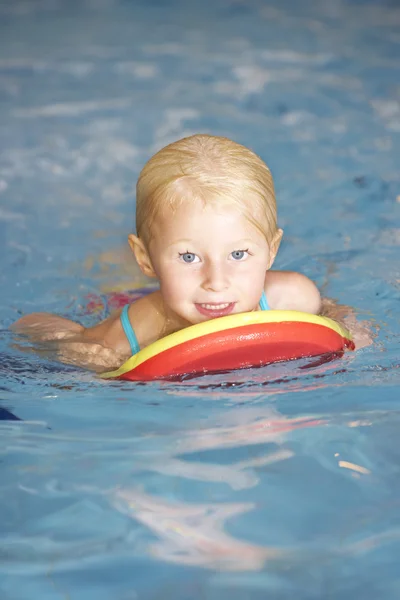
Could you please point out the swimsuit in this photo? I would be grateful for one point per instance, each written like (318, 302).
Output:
(131, 336)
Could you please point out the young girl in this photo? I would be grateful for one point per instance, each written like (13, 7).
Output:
(207, 230)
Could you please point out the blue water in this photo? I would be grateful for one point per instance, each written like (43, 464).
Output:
(282, 482)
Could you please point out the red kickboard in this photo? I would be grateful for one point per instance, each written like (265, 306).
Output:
(240, 347)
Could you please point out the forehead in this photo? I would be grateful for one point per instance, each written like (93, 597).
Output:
(197, 220)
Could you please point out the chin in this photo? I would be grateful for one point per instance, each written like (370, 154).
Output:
(196, 319)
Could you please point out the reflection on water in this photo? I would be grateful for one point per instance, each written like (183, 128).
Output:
(194, 533)
(263, 427)
(279, 378)
(238, 475)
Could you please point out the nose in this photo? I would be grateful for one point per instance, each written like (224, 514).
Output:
(215, 277)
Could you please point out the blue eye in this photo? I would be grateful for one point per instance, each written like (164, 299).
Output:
(189, 257)
(238, 254)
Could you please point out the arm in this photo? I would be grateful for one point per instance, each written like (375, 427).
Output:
(97, 348)
(361, 331)
(292, 291)
(44, 327)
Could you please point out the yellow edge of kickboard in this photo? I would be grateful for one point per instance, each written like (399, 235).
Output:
(222, 324)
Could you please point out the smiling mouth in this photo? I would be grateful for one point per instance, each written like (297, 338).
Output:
(215, 310)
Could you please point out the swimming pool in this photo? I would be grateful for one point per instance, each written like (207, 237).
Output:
(275, 482)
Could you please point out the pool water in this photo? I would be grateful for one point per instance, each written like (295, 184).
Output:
(278, 482)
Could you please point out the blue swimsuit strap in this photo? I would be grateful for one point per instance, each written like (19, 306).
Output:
(128, 330)
(263, 302)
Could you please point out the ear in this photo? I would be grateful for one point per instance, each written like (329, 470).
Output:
(274, 246)
(141, 254)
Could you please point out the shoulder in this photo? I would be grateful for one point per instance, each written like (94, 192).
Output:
(144, 316)
(147, 318)
(287, 290)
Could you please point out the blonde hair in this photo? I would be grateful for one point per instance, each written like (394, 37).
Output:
(212, 169)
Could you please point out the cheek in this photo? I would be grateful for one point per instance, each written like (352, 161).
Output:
(254, 272)
(251, 282)
(175, 283)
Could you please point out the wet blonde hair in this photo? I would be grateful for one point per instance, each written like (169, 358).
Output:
(212, 169)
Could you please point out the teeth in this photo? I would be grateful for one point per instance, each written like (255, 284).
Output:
(215, 306)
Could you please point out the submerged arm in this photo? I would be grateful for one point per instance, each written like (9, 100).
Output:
(97, 348)
(362, 331)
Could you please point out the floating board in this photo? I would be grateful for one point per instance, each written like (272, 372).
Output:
(236, 342)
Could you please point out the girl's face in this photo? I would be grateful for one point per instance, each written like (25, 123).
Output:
(210, 261)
